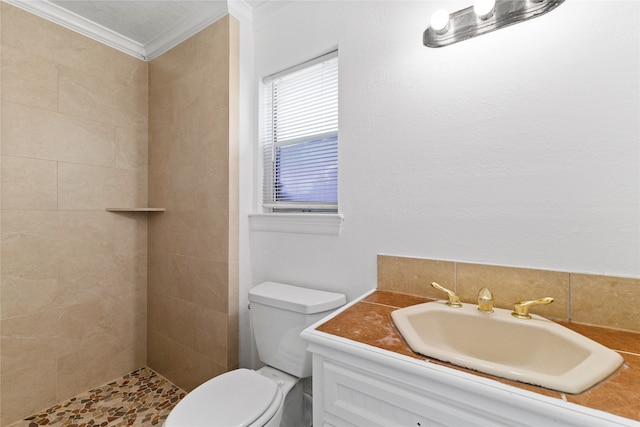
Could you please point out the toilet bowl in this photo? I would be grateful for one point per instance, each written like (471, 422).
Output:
(239, 398)
(272, 395)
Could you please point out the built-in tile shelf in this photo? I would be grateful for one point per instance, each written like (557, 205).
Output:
(136, 209)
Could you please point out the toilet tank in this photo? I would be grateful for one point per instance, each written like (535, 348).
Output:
(279, 313)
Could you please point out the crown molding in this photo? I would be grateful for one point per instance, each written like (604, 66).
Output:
(193, 23)
(74, 22)
(242, 11)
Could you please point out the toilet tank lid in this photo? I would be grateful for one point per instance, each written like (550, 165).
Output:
(295, 298)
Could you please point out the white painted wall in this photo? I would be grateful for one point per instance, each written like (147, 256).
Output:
(518, 148)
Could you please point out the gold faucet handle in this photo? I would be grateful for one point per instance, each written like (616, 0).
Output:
(485, 301)
(454, 300)
(521, 309)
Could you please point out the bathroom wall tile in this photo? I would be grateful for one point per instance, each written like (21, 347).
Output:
(38, 337)
(28, 79)
(28, 237)
(28, 288)
(130, 272)
(213, 131)
(160, 273)
(192, 368)
(82, 95)
(200, 281)
(132, 149)
(28, 183)
(233, 326)
(93, 187)
(414, 276)
(211, 334)
(510, 284)
(28, 32)
(183, 315)
(128, 316)
(188, 173)
(203, 48)
(20, 398)
(48, 135)
(160, 189)
(200, 186)
(84, 233)
(100, 363)
(160, 356)
(162, 232)
(202, 234)
(161, 133)
(130, 231)
(85, 277)
(183, 150)
(605, 301)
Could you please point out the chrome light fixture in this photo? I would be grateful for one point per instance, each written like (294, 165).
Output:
(483, 17)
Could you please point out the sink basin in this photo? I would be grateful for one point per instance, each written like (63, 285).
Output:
(535, 351)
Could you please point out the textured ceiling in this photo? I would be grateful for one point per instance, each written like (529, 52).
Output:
(140, 21)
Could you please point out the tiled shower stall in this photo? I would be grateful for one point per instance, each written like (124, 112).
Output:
(88, 295)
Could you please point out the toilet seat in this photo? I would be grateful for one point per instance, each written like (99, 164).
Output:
(237, 398)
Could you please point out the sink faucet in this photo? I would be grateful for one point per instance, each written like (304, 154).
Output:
(454, 300)
(521, 309)
(485, 301)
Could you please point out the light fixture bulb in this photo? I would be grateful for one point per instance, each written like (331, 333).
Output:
(440, 21)
(484, 8)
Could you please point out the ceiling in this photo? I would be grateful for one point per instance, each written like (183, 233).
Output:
(142, 28)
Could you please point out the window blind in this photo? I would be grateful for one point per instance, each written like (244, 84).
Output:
(300, 140)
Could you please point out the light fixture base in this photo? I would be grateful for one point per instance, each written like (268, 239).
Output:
(465, 24)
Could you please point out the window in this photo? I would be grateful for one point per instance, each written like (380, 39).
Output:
(300, 141)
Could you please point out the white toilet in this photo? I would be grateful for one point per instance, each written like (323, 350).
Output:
(272, 394)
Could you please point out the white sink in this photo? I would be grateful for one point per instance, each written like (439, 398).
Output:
(535, 351)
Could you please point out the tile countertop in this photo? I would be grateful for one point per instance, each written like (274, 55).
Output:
(369, 322)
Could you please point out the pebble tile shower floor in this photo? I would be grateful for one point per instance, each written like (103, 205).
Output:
(141, 398)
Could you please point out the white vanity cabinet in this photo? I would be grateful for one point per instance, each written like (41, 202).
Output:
(355, 384)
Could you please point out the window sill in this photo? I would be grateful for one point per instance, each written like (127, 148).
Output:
(326, 224)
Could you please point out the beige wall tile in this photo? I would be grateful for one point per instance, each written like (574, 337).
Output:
(28, 183)
(200, 281)
(605, 301)
(75, 278)
(211, 335)
(202, 234)
(28, 288)
(189, 174)
(100, 363)
(201, 186)
(19, 396)
(95, 188)
(39, 337)
(91, 97)
(414, 275)
(29, 237)
(84, 233)
(132, 148)
(47, 135)
(192, 368)
(28, 79)
(30, 33)
(510, 285)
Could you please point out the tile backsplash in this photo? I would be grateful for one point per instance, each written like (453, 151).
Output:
(607, 301)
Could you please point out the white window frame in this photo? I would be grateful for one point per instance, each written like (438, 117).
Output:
(314, 218)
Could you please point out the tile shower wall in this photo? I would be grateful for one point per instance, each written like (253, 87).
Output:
(73, 280)
(193, 172)
(582, 298)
